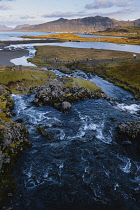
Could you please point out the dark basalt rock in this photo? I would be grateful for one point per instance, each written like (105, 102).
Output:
(128, 135)
(43, 132)
(55, 95)
(13, 140)
(129, 131)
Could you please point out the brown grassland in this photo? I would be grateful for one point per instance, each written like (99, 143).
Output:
(76, 38)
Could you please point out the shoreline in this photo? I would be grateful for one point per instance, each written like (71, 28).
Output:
(7, 43)
(6, 55)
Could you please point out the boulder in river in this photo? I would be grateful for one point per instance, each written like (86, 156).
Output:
(128, 135)
(43, 132)
(129, 131)
(65, 106)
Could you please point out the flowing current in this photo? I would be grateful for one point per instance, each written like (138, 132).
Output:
(80, 165)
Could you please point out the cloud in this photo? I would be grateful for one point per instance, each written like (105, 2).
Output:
(121, 14)
(4, 6)
(27, 17)
(59, 14)
(118, 15)
(98, 4)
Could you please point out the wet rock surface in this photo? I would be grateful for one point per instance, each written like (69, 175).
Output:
(55, 95)
(129, 131)
(13, 139)
(128, 135)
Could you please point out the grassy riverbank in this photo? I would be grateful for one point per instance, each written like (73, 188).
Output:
(19, 81)
(13, 140)
(46, 56)
(116, 66)
(126, 75)
(76, 38)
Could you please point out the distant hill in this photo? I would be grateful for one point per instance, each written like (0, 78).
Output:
(18, 27)
(128, 29)
(81, 25)
(5, 28)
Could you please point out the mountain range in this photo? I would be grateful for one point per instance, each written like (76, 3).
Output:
(5, 28)
(81, 25)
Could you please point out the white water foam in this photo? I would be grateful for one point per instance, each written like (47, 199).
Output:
(133, 108)
(126, 165)
(116, 186)
(21, 105)
(106, 138)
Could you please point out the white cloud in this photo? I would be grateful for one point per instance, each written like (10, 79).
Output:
(98, 4)
(59, 14)
(27, 17)
(5, 6)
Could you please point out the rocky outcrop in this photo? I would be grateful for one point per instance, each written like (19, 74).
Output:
(55, 95)
(129, 131)
(128, 135)
(13, 139)
(12, 135)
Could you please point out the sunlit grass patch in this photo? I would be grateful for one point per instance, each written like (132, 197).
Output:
(22, 80)
(78, 82)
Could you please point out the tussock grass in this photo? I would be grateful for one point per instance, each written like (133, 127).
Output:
(125, 74)
(22, 80)
(45, 55)
(128, 73)
(78, 82)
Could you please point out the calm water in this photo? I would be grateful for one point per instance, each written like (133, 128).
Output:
(15, 35)
(101, 45)
(8, 35)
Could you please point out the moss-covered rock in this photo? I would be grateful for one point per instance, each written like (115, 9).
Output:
(129, 131)
(43, 132)
(53, 94)
(128, 135)
(13, 140)
(65, 89)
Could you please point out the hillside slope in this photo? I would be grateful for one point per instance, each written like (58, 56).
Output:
(87, 24)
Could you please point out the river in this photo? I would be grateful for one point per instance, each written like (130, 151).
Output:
(81, 166)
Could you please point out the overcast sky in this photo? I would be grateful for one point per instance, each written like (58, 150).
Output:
(15, 12)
